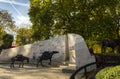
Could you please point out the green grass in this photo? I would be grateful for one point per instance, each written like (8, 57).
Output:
(112, 72)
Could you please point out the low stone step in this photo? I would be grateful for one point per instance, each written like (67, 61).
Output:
(68, 69)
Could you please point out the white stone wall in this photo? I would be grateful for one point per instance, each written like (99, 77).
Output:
(37, 48)
(83, 55)
(78, 50)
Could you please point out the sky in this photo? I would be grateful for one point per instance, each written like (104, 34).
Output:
(18, 10)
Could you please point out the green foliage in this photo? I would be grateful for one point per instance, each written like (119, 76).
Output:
(2, 33)
(7, 41)
(109, 73)
(92, 19)
(24, 36)
(6, 21)
(6, 25)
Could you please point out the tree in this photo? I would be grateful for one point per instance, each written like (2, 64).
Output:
(24, 36)
(93, 19)
(6, 21)
(2, 33)
(7, 41)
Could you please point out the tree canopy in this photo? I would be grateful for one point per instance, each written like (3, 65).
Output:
(6, 22)
(2, 33)
(24, 36)
(7, 41)
(93, 19)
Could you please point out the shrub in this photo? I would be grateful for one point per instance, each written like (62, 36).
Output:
(112, 72)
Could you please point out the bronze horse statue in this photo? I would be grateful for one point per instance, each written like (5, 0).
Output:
(47, 55)
(109, 43)
(19, 58)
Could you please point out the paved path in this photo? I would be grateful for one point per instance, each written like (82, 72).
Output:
(31, 72)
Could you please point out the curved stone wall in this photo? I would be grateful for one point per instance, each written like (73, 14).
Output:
(78, 50)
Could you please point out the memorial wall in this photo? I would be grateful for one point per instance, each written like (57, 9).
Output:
(78, 50)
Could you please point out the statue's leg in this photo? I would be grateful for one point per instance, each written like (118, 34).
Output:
(38, 63)
(19, 65)
(41, 63)
(11, 65)
(113, 50)
(50, 62)
(103, 49)
(22, 64)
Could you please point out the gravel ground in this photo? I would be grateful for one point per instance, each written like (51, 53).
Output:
(31, 72)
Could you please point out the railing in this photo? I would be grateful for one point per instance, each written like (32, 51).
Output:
(102, 60)
(81, 68)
